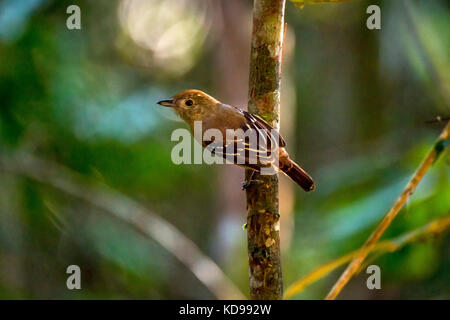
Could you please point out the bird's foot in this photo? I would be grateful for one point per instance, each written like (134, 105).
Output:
(247, 183)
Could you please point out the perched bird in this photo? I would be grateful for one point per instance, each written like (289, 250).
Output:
(195, 105)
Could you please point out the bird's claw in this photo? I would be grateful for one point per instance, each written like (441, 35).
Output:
(247, 183)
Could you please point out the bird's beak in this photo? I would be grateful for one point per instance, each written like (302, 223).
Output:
(167, 103)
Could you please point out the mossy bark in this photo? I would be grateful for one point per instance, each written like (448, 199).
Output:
(263, 223)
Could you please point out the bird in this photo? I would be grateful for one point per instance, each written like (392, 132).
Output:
(194, 105)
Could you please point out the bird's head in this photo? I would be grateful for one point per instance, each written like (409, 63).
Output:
(191, 105)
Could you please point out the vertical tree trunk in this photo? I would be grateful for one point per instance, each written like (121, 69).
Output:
(262, 198)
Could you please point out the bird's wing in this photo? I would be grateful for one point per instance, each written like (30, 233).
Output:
(258, 123)
(240, 149)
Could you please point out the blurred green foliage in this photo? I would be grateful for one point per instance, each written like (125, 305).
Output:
(86, 99)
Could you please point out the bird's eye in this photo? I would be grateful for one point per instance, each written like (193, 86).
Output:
(189, 102)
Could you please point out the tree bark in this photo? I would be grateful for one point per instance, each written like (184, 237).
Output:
(263, 225)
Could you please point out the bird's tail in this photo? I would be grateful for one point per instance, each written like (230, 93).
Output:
(297, 174)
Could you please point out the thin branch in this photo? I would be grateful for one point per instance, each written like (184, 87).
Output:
(129, 211)
(263, 219)
(434, 228)
(391, 214)
(301, 3)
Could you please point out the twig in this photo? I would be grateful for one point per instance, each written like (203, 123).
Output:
(301, 3)
(263, 217)
(438, 119)
(129, 211)
(433, 228)
(391, 214)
